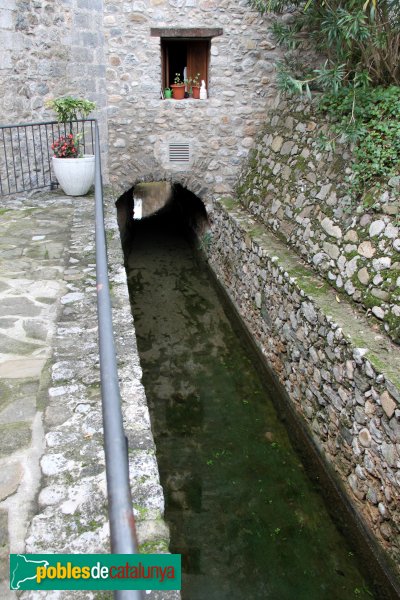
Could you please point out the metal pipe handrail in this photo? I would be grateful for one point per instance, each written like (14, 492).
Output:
(121, 519)
(122, 524)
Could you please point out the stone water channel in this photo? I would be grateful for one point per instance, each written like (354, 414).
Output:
(243, 510)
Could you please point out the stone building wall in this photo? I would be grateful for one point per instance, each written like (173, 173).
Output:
(340, 376)
(220, 130)
(301, 193)
(51, 49)
(103, 50)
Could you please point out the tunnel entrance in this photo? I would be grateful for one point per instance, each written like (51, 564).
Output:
(244, 510)
(160, 204)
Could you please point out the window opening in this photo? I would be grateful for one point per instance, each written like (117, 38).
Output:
(186, 57)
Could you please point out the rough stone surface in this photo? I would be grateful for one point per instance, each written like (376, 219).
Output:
(304, 197)
(388, 404)
(340, 374)
(104, 51)
(51, 49)
(221, 129)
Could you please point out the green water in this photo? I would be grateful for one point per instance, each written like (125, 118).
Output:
(242, 511)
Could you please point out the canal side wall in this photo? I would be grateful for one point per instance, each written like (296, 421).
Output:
(340, 376)
(302, 194)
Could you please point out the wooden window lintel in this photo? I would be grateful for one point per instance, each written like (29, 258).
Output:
(189, 32)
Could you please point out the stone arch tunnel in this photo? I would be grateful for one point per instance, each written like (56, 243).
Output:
(160, 204)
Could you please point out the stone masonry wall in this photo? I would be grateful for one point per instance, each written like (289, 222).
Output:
(103, 50)
(300, 192)
(340, 376)
(220, 130)
(51, 49)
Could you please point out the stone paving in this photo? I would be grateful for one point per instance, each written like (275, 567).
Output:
(33, 242)
(52, 488)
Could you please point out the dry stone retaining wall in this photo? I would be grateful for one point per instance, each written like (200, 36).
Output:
(340, 376)
(300, 192)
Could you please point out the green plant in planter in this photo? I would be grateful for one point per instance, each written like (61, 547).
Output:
(192, 82)
(178, 80)
(71, 109)
(73, 169)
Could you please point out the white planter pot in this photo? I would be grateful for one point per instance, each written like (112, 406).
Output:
(75, 175)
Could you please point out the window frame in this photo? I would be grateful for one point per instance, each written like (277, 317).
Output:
(189, 35)
(204, 54)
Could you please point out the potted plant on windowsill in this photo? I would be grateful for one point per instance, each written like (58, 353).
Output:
(194, 86)
(178, 88)
(73, 169)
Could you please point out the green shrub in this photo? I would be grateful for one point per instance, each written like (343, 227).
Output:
(370, 118)
(360, 43)
(359, 38)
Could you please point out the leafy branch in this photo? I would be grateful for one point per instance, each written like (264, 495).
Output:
(70, 109)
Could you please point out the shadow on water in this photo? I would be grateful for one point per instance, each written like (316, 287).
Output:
(242, 509)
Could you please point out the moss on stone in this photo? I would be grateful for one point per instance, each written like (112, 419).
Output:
(356, 328)
(104, 595)
(154, 547)
(229, 203)
(256, 232)
(6, 394)
(143, 512)
(14, 436)
(301, 164)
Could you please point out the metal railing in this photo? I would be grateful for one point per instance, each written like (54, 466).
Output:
(122, 524)
(25, 165)
(25, 153)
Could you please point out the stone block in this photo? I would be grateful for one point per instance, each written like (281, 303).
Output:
(11, 475)
(13, 437)
(388, 404)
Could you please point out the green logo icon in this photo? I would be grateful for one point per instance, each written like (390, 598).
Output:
(95, 571)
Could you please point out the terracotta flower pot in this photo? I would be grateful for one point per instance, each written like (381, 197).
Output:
(178, 91)
(196, 92)
(75, 175)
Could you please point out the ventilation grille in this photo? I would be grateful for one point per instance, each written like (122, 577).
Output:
(179, 153)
